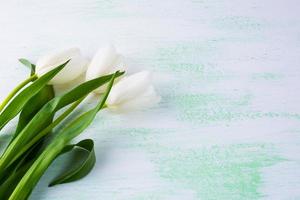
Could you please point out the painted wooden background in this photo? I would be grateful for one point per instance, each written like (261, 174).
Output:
(228, 126)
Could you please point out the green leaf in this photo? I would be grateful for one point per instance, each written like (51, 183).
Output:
(86, 88)
(9, 185)
(22, 98)
(77, 126)
(19, 87)
(19, 169)
(34, 131)
(86, 165)
(33, 106)
(28, 64)
(28, 112)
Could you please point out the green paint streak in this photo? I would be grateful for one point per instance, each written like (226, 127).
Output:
(192, 57)
(212, 108)
(211, 172)
(217, 172)
(238, 23)
(266, 76)
(207, 108)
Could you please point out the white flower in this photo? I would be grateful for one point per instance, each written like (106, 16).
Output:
(133, 92)
(75, 68)
(105, 61)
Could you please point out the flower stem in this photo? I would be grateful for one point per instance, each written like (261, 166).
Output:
(47, 130)
(16, 90)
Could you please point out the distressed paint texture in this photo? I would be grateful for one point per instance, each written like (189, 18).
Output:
(219, 172)
(228, 126)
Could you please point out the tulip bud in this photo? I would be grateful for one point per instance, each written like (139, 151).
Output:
(75, 68)
(133, 92)
(105, 61)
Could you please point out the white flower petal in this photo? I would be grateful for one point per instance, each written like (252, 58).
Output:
(75, 68)
(118, 66)
(148, 99)
(102, 63)
(105, 61)
(129, 87)
(62, 88)
(56, 57)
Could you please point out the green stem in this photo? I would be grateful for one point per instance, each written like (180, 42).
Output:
(47, 130)
(16, 90)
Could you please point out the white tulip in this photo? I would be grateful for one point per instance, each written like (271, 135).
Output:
(75, 68)
(105, 61)
(133, 92)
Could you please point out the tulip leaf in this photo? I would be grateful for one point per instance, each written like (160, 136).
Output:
(35, 130)
(8, 185)
(28, 64)
(28, 112)
(22, 98)
(85, 88)
(33, 106)
(73, 129)
(88, 160)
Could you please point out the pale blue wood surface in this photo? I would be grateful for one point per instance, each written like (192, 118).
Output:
(228, 72)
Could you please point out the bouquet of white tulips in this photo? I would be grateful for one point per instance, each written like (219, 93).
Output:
(35, 143)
